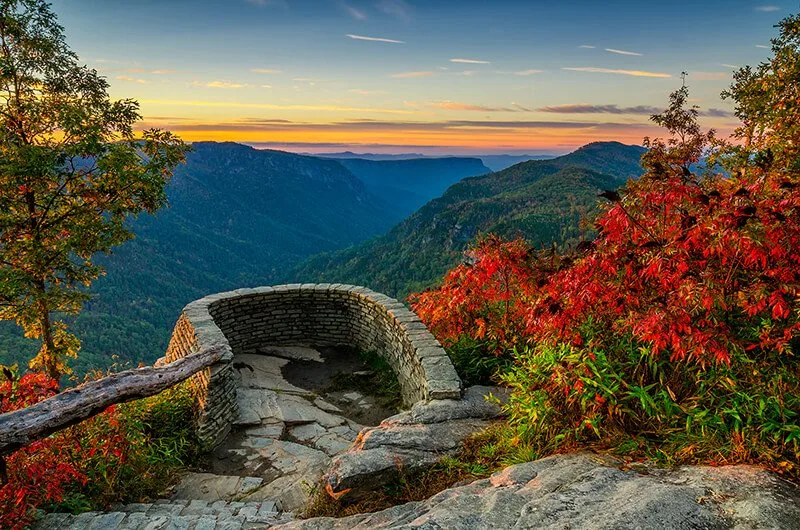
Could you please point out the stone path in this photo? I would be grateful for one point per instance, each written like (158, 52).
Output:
(283, 441)
(172, 515)
(280, 447)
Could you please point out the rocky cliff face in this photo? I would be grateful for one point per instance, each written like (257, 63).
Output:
(585, 491)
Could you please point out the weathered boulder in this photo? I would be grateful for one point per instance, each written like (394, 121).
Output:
(410, 441)
(584, 491)
(476, 403)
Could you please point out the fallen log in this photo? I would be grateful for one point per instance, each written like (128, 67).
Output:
(21, 427)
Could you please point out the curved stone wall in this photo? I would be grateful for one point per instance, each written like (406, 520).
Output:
(306, 315)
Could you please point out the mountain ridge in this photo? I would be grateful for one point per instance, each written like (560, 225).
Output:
(238, 216)
(541, 200)
(408, 184)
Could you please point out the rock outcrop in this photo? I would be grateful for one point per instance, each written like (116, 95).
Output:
(584, 491)
(410, 441)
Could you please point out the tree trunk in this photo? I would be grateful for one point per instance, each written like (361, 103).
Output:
(48, 346)
(48, 351)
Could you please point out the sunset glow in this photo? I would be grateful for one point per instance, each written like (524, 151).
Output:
(400, 75)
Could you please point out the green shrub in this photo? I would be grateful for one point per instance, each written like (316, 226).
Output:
(640, 403)
(143, 445)
(477, 362)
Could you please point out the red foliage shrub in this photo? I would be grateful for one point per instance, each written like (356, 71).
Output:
(42, 472)
(679, 324)
(694, 266)
(38, 473)
(485, 297)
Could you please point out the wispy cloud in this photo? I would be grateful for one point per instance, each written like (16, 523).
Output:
(717, 113)
(271, 106)
(355, 13)
(531, 71)
(456, 105)
(272, 3)
(162, 71)
(266, 86)
(304, 82)
(587, 46)
(581, 108)
(383, 125)
(729, 65)
(646, 110)
(636, 73)
(409, 75)
(374, 39)
(762, 46)
(362, 92)
(218, 84)
(130, 79)
(768, 8)
(469, 61)
(265, 71)
(622, 52)
(396, 8)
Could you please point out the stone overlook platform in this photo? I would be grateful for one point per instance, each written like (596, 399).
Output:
(312, 315)
(276, 427)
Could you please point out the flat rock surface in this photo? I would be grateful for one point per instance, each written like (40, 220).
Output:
(294, 427)
(286, 433)
(584, 491)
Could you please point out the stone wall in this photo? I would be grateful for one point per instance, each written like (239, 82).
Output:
(306, 315)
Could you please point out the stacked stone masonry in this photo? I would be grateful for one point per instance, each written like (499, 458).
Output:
(315, 315)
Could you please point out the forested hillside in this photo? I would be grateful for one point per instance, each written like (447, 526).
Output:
(493, 162)
(543, 200)
(407, 185)
(237, 217)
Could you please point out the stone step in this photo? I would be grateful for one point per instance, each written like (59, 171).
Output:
(170, 515)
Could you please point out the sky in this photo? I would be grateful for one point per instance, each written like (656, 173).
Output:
(421, 76)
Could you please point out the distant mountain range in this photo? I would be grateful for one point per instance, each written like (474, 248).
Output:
(407, 184)
(493, 162)
(541, 200)
(239, 216)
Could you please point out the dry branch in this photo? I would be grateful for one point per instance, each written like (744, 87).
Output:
(21, 427)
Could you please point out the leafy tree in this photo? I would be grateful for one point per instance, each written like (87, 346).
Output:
(71, 172)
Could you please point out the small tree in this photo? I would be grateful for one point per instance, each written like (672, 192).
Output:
(71, 172)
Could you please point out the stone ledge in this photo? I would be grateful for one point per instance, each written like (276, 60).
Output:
(411, 441)
(587, 491)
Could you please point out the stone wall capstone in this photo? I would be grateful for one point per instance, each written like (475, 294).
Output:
(315, 315)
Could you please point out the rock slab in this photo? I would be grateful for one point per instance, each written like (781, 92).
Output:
(585, 491)
(410, 441)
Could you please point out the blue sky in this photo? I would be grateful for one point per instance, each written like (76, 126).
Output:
(404, 75)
